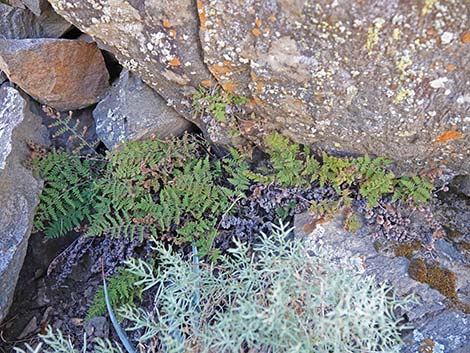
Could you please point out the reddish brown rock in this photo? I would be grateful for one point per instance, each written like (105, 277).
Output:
(156, 40)
(63, 74)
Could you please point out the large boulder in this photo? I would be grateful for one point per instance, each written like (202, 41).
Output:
(63, 74)
(18, 188)
(19, 23)
(380, 77)
(132, 111)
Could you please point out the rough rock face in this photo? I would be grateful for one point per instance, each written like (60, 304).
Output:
(18, 23)
(380, 77)
(429, 316)
(35, 6)
(18, 188)
(3, 77)
(63, 74)
(132, 110)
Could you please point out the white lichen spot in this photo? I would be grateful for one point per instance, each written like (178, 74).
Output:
(396, 34)
(465, 99)
(447, 37)
(439, 82)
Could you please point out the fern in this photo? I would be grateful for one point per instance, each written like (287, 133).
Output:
(66, 198)
(374, 180)
(237, 167)
(295, 166)
(148, 187)
(336, 171)
(65, 126)
(283, 157)
(218, 103)
(413, 188)
(122, 290)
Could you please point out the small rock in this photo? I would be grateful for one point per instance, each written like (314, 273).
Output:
(76, 321)
(462, 184)
(30, 328)
(132, 111)
(35, 6)
(97, 327)
(64, 74)
(19, 23)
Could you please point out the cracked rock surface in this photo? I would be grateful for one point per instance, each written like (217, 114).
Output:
(19, 190)
(387, 78)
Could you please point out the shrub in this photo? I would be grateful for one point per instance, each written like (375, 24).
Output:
(274, 299)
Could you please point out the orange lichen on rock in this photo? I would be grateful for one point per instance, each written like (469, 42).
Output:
(174, 62)
(172, 33)
(447, 136)
(206, 83)
(258, 23)
(256, 102)
(256, 32)
(229, 86)
(220, 69)
(465, 38)
(450, 68)
(202, 14)
(166, 24)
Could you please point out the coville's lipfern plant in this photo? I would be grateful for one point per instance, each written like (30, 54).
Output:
(66, 199)
(147, 187)
(293, 165)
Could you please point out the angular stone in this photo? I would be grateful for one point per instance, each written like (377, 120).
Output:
(17, 23)
(449, 331)
(157, 41)
(64, 74)
(357, 251)
(462, 183)
(18, 188)
(35, 6)
(132, 111)
(386, 78)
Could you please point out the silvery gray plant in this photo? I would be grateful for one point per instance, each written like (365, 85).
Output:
(272, 297)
